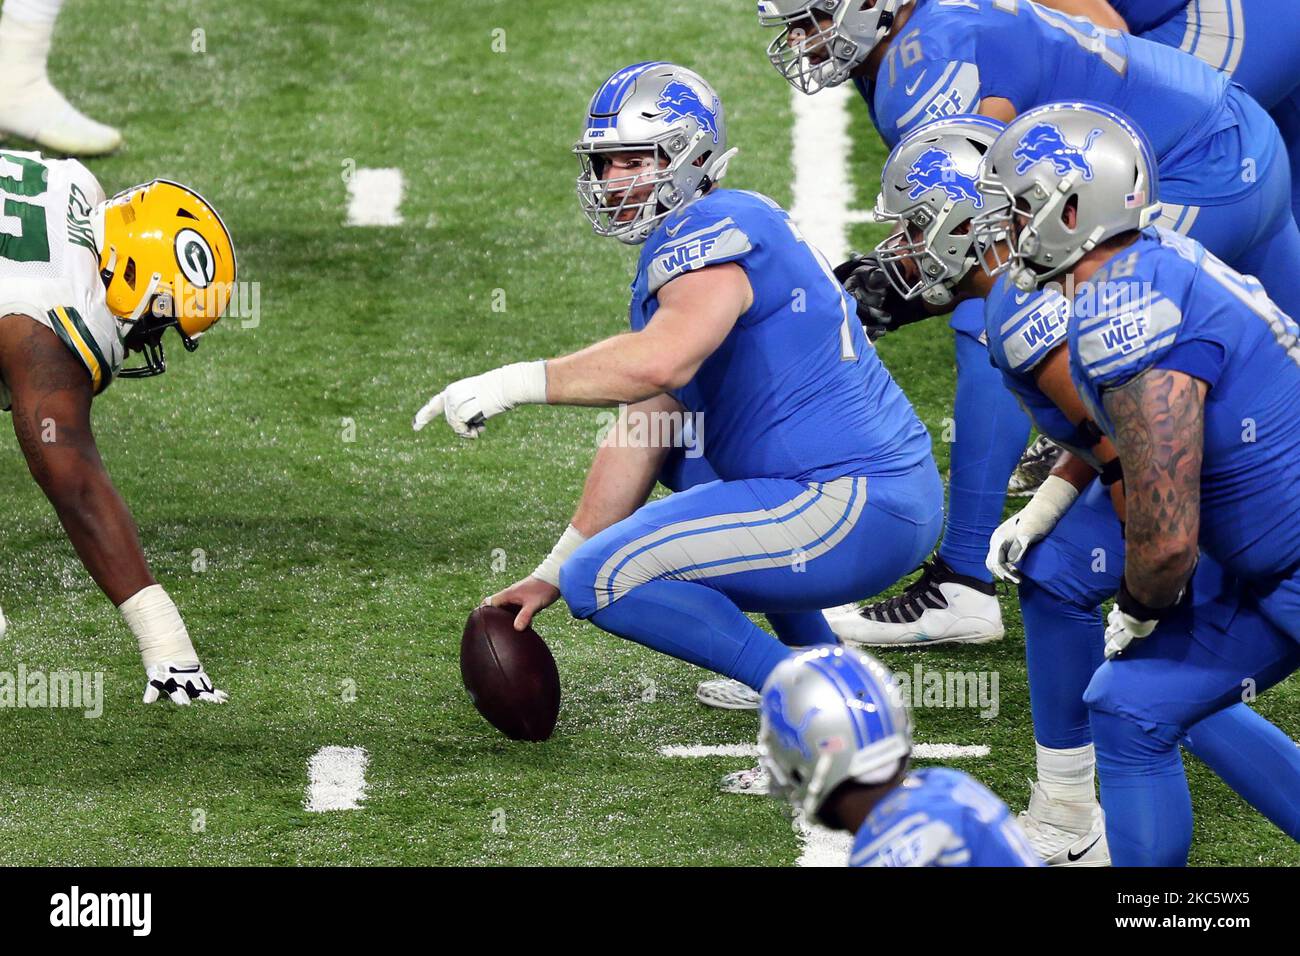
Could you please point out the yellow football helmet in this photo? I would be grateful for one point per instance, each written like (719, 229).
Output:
(167, 261)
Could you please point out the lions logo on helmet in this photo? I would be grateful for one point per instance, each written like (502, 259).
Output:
(934, 169)
(167, 261)
(1046, 143)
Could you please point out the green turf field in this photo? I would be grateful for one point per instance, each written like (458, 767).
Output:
(340, 552)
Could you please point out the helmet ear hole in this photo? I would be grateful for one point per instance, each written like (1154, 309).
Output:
(1070, 212)
(128, 274)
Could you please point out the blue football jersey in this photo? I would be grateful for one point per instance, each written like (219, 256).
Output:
(953, 53)
(1022, 328)
(1144, 15)
(941, 817)
(1170, 304)
(795, 390)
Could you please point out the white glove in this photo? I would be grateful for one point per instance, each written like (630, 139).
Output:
(182, 684)
(1123, 629)
(1031, 524)
(470, 402)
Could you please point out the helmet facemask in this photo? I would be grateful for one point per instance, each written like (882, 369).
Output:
(1014, 223)
(606, 201)
(812, 57)
(912, 266)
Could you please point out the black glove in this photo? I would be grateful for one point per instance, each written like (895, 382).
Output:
(880, 308)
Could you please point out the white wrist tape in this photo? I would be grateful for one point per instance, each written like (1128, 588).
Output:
(156, 623)
(1053, 499)
(549, 570)
(523, 383)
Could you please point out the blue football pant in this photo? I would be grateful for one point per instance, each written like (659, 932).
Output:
(1210, 655)
(678, 575)
(1065, 578)
(990, 431)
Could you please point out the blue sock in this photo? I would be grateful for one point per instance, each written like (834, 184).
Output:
(1254, 758)
(1063, 646)
(1143, 793)
(802, 628)
(990, 432)
(696, 624)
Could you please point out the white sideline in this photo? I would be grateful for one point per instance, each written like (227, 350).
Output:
(375, 197)
(824, 196)
(337, 779)
(919, 751)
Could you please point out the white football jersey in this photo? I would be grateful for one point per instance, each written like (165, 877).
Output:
(49, 264)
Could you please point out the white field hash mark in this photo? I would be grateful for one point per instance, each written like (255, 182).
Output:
(375, 197)
(919, 751)
(823, 190)
(818, 845)
(337, 779)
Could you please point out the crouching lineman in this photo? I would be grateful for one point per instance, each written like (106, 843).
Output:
(930, 192)
(826, 485)
(84, 282)
(1192, 373)
(835, 740)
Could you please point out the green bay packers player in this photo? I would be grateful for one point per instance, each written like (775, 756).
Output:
(85, 282)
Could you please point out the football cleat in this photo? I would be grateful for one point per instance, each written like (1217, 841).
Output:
(940, 607)
(30, 106)
(1065, 834)
(4, 625)
(726, 694)
(1035, 465)
(752, 781)
(167, 261)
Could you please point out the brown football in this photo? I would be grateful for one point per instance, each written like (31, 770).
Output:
(510, 675)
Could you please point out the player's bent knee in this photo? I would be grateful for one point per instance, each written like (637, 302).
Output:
(578, 580)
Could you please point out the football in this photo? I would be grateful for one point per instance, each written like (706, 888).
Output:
(510, 675)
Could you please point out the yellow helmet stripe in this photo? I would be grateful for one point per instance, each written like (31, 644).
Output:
(70, 327)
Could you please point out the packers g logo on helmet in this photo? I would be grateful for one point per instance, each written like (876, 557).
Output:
(167, 261)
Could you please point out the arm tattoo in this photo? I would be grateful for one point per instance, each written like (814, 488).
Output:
(1159, 431)
(52, 388)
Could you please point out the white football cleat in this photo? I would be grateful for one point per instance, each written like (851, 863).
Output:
(752, 781)
(1065, 834)
(940, 607)
(727, 694)
(30, 106)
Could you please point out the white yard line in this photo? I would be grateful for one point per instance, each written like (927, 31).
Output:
(375, 197)
(337, 779)
(819, 846)
(920, 751)
(824, 197)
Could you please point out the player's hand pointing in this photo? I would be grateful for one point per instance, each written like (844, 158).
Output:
(467, 404)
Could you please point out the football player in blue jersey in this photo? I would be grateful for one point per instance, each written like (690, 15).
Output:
(1222, 160)
(931, 194)
(825, 487)
(1256, 42)
(835, 740)
(1193, 374)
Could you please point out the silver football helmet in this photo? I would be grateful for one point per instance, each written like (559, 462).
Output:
(929, 191)
(1053, 158)
(829, 715)
(823, 41)
(672, 115)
